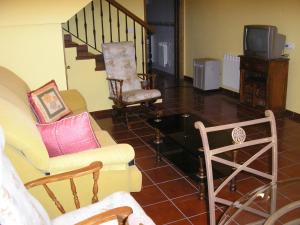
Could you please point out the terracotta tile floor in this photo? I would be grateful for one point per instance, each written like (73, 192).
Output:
(168, 196)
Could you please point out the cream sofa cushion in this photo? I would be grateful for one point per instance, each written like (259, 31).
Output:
(23, 136)
(74, 100)
(14, 90)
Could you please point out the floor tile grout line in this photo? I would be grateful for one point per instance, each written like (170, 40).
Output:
(178, 221)
(178, 106)
(155, 203)
(168, 198)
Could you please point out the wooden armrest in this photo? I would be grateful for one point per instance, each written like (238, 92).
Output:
(120, 213)
(114, 79)
(116, 88)
(92, 168)
(146, 75)
(149, 77)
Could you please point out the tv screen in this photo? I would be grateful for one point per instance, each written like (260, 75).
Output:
(257, 40)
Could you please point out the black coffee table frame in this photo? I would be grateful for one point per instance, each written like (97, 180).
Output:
(178, 141)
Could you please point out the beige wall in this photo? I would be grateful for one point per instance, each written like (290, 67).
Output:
(21, 12)
(215, 27)
(34, 52)
(31, 41)
(90, 83)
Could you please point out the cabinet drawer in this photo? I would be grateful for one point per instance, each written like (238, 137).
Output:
(254, 65)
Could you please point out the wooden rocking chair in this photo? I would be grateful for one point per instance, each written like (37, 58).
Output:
(126, 86)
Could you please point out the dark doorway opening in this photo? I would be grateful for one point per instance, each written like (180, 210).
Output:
(164, 17)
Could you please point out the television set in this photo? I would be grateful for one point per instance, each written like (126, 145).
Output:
(263, 41)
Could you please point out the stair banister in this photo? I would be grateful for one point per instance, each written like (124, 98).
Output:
(89, 36)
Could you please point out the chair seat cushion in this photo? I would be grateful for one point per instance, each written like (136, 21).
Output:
(140, 95)
(17, 205)
(116, 199)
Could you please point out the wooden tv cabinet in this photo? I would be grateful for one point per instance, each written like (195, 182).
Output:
(264, 82)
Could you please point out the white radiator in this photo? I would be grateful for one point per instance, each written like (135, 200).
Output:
(231, 72)
(163, 53)
(207, 74)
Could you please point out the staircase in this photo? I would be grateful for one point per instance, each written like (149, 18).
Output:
(83, 53)
(103, 21)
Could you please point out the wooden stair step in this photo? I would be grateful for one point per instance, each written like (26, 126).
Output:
(82, 48)
(100, 66)
(70, 44)
(68, 37)
(83, 53)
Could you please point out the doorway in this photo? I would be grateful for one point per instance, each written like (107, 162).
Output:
(164, 17)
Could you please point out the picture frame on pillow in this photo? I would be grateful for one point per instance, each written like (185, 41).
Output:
(47, 103)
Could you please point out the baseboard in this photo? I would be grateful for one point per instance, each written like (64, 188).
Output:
(108, 112)
(230, 93)
(187, 78)
(102, 114)
(292, 115)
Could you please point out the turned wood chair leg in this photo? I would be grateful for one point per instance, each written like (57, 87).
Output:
(202, 177)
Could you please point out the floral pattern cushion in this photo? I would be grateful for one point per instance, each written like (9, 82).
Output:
(140, 95)
(114, 200)
(120, 63)
(17, 206)
(47, 103)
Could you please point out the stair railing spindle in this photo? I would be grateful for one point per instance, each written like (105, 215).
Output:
(76, 23)
(118, 21)
(149, 52)
(143, 52)
(94, 29)
(102, 23)
(85, 25)
(134, 37)
(126, 29)
(110, 20)
(68, 25)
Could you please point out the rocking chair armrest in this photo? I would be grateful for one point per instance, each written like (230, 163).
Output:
(149, 78)
(116, 87)
(120, 213)
(92, 168)
(114, 79)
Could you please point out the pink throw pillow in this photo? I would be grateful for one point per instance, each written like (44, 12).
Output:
(68, 135)
(47, 103)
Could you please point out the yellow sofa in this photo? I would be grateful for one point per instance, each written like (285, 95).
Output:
(27, 151)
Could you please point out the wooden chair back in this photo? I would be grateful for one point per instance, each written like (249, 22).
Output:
(240, 142)
(93, 168)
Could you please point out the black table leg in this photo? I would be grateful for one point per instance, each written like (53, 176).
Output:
(158, 140)
(202, 176)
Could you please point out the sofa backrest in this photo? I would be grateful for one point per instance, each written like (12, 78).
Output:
(14, 90)
(18, 121)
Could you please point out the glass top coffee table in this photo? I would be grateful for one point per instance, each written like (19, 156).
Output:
(274, 203)
(179, 141)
